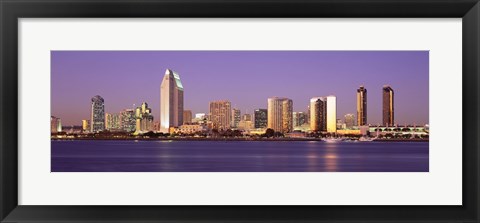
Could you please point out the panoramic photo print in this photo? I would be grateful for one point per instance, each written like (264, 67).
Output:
(239, 111)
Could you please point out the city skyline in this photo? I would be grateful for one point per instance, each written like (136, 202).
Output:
(412, 101)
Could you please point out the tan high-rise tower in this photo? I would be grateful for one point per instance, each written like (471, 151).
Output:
(388, 111)
(361, 106)
(280, 114)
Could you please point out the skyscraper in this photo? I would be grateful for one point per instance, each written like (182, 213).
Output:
(235, 117)
(128, 120)
(318, 114)
(171, 101)
(97, 115)
(220, 114)
(247, 117)
(187, 116)
(280, 114)
(144, 119)
(388, 111)
(361, 106)
(331, 113)
(349, 121)
(112, 121)
(55, 124)
(260, 118)
(323, 114)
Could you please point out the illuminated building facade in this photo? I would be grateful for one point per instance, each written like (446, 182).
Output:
(171, 101)
(299, 118)
(143, 119)
(388, 109)
(323, 114)
(128, 120)
(331, 113)
(349, 121)
(362, 106)
(85, 125)
(220, 114)
(280, 114)
(97, 115)
(112, 121)
(318, 114)
(55, 124)
(236, 114)
(260, 118)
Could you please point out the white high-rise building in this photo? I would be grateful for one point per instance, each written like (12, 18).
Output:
(171, 101)
(331, 113)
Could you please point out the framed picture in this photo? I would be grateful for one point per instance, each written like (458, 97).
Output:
(225, 111)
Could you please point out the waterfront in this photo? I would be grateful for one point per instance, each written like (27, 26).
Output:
(238, 156)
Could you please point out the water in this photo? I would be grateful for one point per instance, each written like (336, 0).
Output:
(238, 156)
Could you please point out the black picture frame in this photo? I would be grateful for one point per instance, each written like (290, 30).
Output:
(12, 10)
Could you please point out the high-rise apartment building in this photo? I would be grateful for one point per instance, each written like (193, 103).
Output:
(388, 109)
(171, 101)
(55, 124)
(323, 114)
(128, 120)
(280, 114)
(220, 114)
(331, 113)
(97, 114)
(236, 114)
(260, 118)
(318, 114)
(112, 121)
(361, 106)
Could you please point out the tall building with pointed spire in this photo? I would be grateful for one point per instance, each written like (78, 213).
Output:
(280, 114)
(171, 101)
(97, 114)
(388, 110)
(361, 106)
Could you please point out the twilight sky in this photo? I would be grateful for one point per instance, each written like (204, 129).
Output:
(246, 78)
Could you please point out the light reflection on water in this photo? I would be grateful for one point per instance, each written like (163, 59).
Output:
(256, 156)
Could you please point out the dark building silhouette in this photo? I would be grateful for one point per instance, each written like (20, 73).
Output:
(361, 106)
(388, 109)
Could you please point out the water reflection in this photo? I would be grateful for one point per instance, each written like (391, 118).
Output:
(187, 156)
(331, 157)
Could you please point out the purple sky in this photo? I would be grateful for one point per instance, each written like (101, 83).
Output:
(246, 78)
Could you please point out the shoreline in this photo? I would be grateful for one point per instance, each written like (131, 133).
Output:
(231, 139)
